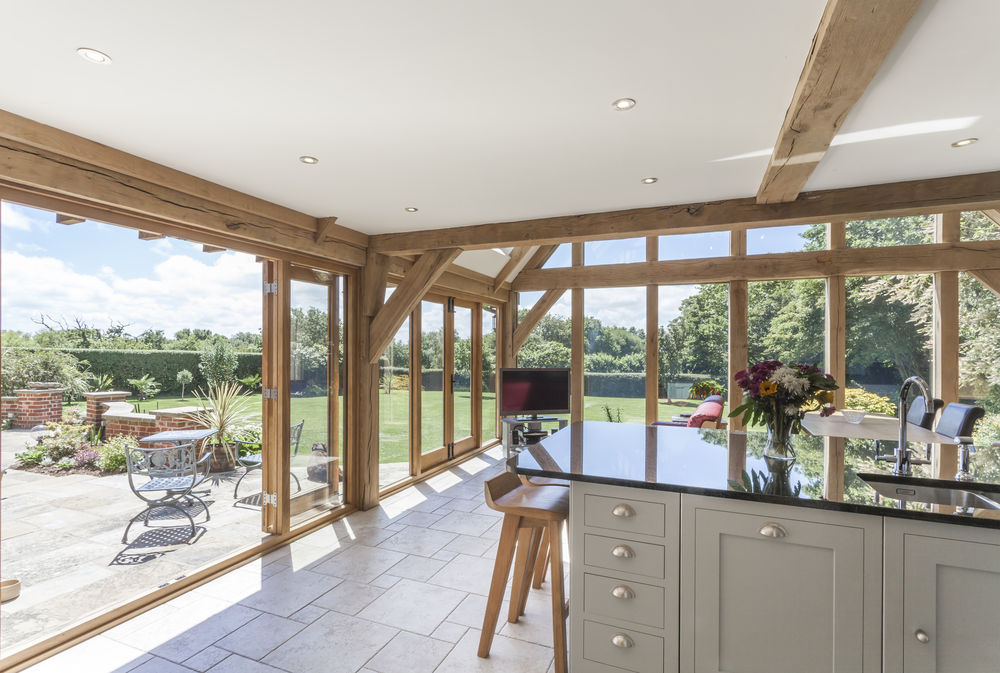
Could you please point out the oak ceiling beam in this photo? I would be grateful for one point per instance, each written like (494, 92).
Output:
(993, 214)
(76, 150)
(327, 228)
(852, 41)
(62, 218)
(903, 259)
(518, 258)
(976, 191)
(422, 275)
(212, 248)
(537, 312)
(149, 236)
(455, 281)
(45, 172)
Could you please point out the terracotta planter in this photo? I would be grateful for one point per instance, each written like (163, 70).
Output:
(221, 461)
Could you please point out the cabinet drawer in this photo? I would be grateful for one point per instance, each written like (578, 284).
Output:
(636, 651)
(623, 599)
(620, 514)
(638, 558)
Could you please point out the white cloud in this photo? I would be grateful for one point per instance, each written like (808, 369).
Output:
(180, 291)
(17, 217)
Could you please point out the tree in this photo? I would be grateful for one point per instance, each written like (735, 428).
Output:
(218, 363)
(22, 366)
(184, 377)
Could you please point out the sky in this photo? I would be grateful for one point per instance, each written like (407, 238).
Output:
(101, 273)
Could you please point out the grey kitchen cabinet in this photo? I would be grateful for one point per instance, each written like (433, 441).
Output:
(623, 579)
(942, 598)
(778, 589)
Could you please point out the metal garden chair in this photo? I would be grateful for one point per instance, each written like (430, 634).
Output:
(250, 456)
(173, 473)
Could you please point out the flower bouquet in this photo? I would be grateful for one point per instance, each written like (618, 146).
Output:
(779, 395)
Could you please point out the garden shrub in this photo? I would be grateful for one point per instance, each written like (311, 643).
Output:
(86, 457)
(123, 365)
(218, 363)
(702, 389)
(857, 398)
(23, 365)
(30, 457)
(599, 384)
(66, 439)
(112, 453)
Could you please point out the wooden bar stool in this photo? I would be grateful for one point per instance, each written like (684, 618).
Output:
(529, 512)
(542, 558)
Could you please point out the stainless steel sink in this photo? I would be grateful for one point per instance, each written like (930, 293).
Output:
(963, 494)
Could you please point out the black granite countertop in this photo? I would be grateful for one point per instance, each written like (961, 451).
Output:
(707, 462)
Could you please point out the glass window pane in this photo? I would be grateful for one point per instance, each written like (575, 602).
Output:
(693, 345)
(489, 402)
(795, 238)
(549, 343)
(462, 395)
(615, 355)
(694, 246)
(394, 409)
(621, 251)
(979, 322)
(977, 226)
(432, 376)
(913, 230)
(563, 256)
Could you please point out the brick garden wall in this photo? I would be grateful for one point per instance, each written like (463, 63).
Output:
(36, 406)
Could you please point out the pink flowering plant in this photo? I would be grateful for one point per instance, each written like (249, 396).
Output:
(778, 395)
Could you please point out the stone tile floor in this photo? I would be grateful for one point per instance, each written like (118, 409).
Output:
(400, 588)
(61, 536)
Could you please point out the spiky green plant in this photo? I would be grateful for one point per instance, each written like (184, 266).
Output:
(223, 406)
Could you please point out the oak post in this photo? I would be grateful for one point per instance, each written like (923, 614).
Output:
(738, 310)
(577, 340)
(947, 229)
(652, 345)
(836, 365)
(373, 283)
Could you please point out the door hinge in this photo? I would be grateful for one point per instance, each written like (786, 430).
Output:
(269, 393)
(269, 499)
(271, 288)
(451, 304)
(451, 450)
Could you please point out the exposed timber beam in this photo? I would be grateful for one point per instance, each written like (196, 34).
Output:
(456, 281)
(539, 257)
(422, 275)
(327, 228)
(150, 236)
(537, 312)
(519, 257)
(902, 259)
(993, 214)
(211, 248)
(852, 41)
(988, 277)
(365, 485)
(68, 219)
(977, 191)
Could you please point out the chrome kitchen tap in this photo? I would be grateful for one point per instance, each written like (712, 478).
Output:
(901, 456)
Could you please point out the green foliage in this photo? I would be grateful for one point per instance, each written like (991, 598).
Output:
(102, 381)
(145, 386)
(613, 415)
(223, 406)
(218, 363)
(31, 457)
(702, 389)
(112, 453)
(252, 382)
(62, 441)
(599, 384)
(123, 365)
(184, 378)
(21, 366)
(857, 398)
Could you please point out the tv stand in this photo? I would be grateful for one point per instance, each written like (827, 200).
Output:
(521, 431)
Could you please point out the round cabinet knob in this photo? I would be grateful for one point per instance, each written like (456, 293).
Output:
(773, 530)
(623, 592)
(623, 551)
(922, 636)
(622, 641)
(623, 511)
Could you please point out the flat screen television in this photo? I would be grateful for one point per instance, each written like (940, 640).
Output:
(529, 392)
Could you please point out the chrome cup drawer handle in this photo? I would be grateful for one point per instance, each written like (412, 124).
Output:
(623, 511)
(623, 551)
(922, 636)
(622, 641)
(623, 592)
(773, 530)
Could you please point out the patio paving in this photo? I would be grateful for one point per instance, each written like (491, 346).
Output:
(61, 536)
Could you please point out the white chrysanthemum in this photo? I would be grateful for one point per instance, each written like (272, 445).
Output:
(791, 410)
(790, 379)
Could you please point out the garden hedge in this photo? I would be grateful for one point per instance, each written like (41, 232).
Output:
(161, 365)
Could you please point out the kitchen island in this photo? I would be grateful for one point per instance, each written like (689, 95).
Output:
(678, 564)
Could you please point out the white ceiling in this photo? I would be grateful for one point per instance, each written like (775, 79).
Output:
(488, 111)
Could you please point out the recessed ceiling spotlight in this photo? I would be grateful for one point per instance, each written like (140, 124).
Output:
(624, 104)
(93, 56)
(410, 209)
(306, 159)
(648, 181)
(964, 142)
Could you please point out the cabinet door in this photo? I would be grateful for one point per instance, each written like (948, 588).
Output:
(943, 603)
(763, 592)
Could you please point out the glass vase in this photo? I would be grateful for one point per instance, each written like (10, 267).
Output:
(779, 456)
